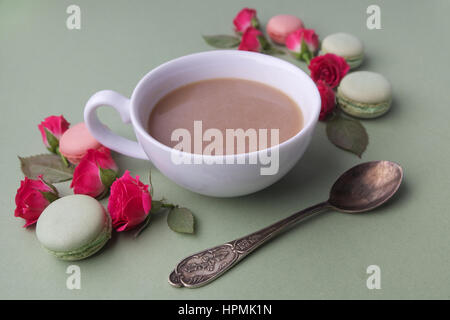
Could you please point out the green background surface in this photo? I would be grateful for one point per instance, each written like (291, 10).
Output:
(46, 69)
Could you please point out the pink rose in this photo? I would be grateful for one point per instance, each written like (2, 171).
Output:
(51, 130)
(328, 99)
(32, 197)
(95, 173)
(252, 40)
(129, 203)
(329, 68)
(244, 19)
(303, 43)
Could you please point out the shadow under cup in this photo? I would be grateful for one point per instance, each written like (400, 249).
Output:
(237, 175)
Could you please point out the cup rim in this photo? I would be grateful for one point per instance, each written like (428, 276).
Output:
(306, 128)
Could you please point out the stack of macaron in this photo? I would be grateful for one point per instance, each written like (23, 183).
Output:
(360, 94)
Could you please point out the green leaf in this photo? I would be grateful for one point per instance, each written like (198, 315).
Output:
(304, 47)
(305, 53)
(107, 176)
(222, 41)
(156, 206)
(255, 23)
(347, 134)
(52, 141)
(63, 159)
(55, 191)
(272, 50)
(49, 165)
(150, 183)
(143, 226)
(267, 48)
(50, 196)
(265, 45)
(181, 220)
(103, 194)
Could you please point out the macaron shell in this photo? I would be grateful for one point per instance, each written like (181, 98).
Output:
(71, 223)
(281, 25)
(343, 44)
(76, 141)
(363, 110)
(365, 87)
(89, 249)
(354, 62)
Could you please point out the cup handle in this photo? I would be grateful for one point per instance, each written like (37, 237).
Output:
(101, 133)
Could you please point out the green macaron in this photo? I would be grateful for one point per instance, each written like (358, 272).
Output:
(364, 94)
(74, 227)
(345, 45)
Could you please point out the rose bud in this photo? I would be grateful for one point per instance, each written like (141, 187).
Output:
(253, 40)
(244, 19)
(328, 99)
(129, 203)
(95, 173)
(329, 68)
(51, 130)
(32, 197)
(303, 43)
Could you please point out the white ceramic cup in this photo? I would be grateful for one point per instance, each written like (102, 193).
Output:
(219, 180)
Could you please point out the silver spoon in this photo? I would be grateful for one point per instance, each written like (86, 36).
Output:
(362, 188)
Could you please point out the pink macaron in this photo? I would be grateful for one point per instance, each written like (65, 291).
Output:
(281, 25)
(76, 141)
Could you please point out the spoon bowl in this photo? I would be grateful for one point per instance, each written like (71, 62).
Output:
(366, 186)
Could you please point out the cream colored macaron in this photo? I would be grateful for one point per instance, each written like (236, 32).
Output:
(74, 227)
(345, 45)
(364, 94)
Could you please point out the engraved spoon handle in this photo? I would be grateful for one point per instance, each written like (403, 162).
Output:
(205, 266)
